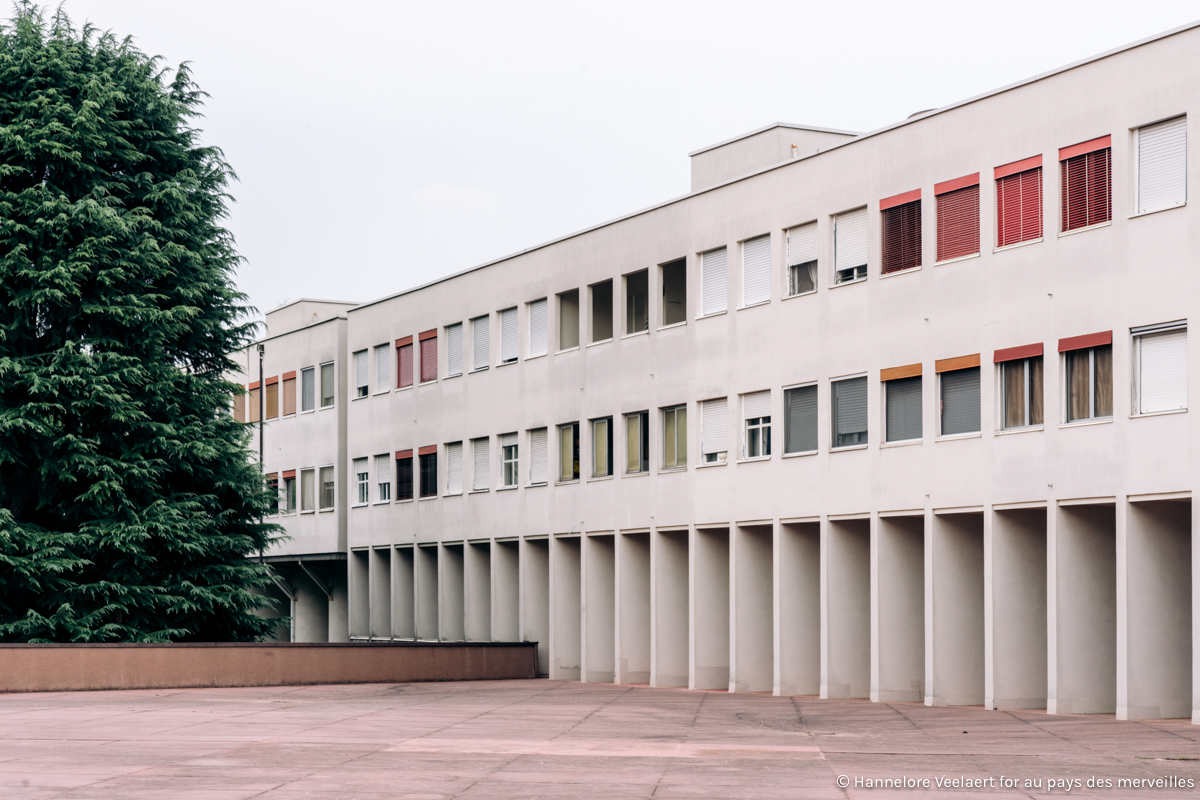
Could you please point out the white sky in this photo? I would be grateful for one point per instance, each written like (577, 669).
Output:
(383, 144)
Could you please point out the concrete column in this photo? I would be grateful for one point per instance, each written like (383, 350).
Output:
(535, 598)
(752, 593)
(1195, 614)
(339, 607)
(1083, 674)
(670, 634)
(360, 594)
(1015, 609)
(1154, 611)
(426, 569)
(404, 594)
(797, 585)
(451, 614)
(566, 608)
(898, 609)
(477, 591)
(633, 608)
(846, 608)
(957, 578)
(598, 608)
(506, 591)
(709, 599)
(312, 605)
(381, 593)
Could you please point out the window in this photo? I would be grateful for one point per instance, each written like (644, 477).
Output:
(480, 342)
(1086, 171)
(454, 468)
(900, 217)
(253, 403)
(1020, 386)
(429, 367)
(537, 328)
(802, 259)
(1019, 202)
(239, 407)
(360, 374)
(308, 389)
(538, 456)
(289, 492)
(509, 472)
(756, 413)
(454, 352)
(714, 282)
(404, 475)
(957, 217)
(1161, 353)
(602, 311)
(327, 385)
(850, 246)
(602, 447)
(289, 394)
(273, 489)
(308, 491)
(404, 362)
(959, 387)
(714, 430)
(756, 270)
(800, 419)
(568, 452)
(674, 292)
(1088, 376)
(272, 410)
(849, 412)
(1161, 165)
(902, 404)
(327, 488)
(568, 320)
(637, 302)
(508, 336)
(637, 442)
(481, 458)
(383, 479)
(362, 482)
(427, 463)
(675, 452)
(383, 368)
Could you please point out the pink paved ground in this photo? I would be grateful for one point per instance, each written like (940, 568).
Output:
(549, 739)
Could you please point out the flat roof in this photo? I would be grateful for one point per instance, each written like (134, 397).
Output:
(772, 126)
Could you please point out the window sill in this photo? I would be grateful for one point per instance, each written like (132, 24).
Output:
(900, 443)
(713, 314)
(670, 470)
(599, 478)
(531, 358)
(1061, 234)
(572, 482)
(506, 488)
(1158, 413)
(404, 388)
(360, 505)
(639, 474)
(899, 272)
(672, 325)
(848, 448)
(326, 510)
(753, 460)
(1083, 423)
(327, 408)
(309, 411)
(956, 260)
(536, 485)
(381, 391)
(1022, 429)
(452, 494)
(1156, 211)
(755, 305)
(427, 383)
(635, 334)
(288, 416)
(302, 513)
(382, 503)
(507, 363)
(1025, 243)
(352, 399)
(802, 294)
(404, 502)
(430, 497)
(478, 369)
(479, 491)
(567, 350)
(448, 377)
(954, 437)
(800, 455)
(854, 282)
(713, 464)
(600, 342)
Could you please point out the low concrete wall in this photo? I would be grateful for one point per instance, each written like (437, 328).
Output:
(73, 667)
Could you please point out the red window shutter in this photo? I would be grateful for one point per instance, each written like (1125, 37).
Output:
(404, 355)
(1087, 189)
(1019, 207)
(958, 223)
(902, 237)
(429, 359)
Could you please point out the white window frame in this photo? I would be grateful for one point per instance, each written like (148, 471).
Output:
(320, 394)
(1138, 334)
(362, 481)
(1137, 160)
(383, 488)
(364, 389)
(510, 461)
(1000, 390)
(321, 488)
(316, 379)
(316, 493)
(763, 429)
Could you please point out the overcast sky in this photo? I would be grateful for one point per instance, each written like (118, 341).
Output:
(383, 144)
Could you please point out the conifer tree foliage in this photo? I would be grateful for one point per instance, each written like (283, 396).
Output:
(127, 502)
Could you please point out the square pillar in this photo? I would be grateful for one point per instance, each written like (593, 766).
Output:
(1015, 563)
(898, 609)
(477, 591)
(752, 596)
(633, 608)
(957, 613)
(598, 608)
(797, 588)
(709, 593)
(846, 608)
(670, 620)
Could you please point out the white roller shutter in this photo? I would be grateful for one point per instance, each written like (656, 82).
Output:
(850, 239)
(538, 455)
(756, 404)
(1162, 368)
(481, 344)
(508, 335)
(714, 281)
(383, 368)
(756, 270)
(802, 244)
(714, 426)
(361, 368)
(538, 328)
(454, 468)
(1162, 165)
(482, 462)
(454, 349)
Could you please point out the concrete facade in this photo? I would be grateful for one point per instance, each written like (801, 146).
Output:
(1045, 564)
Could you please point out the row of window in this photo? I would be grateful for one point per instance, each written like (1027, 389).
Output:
(315, 491)
(279, 399)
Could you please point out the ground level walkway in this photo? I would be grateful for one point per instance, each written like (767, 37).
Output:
(553, 739)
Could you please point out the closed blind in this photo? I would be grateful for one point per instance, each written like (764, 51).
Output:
(326, 385)
(901, 237)
(538, 456)
(508, 335)
(360, 369)
(508, 439)
(756, 404)
(960, 401)
(756, 270)
(850, 239)
(1087, 189)
(383, 477)
(383, 368)
(958, 223)
(454, 468)
(1019, 207)
(482, 462)
(308, 389)
(1162, 165)
(714, 281)
(405, 357)
(289, 397)
(481, 345)
(429, 359)
(850, 406)
(802, 244)
(272, 400)
(904, 409)
(714, 426)
(800, 408)
(454, 349)
(1162, 361)
(538, 328)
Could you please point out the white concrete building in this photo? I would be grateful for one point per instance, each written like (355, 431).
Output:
(898, 415)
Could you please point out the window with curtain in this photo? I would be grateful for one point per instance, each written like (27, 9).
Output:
(327, 385)
(1021, 392)
(1161, 375)
(849, 412)
(802, 259)
(1089, 383)
(800, 419)
(675, 437)
(637, 442)
(568, 452)
(602, 447)
(903, 421)
(328, 489)
(308, 490)
(960, 401)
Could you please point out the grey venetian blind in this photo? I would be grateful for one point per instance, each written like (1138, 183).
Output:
(904, 409)
(960, 401)
(800, 429)
(850, 412)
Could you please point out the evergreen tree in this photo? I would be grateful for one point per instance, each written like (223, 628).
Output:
(127, 501)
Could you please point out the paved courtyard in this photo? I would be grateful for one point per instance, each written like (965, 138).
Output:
(551, 739)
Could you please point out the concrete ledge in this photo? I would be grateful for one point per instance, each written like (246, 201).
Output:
(75, 667)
